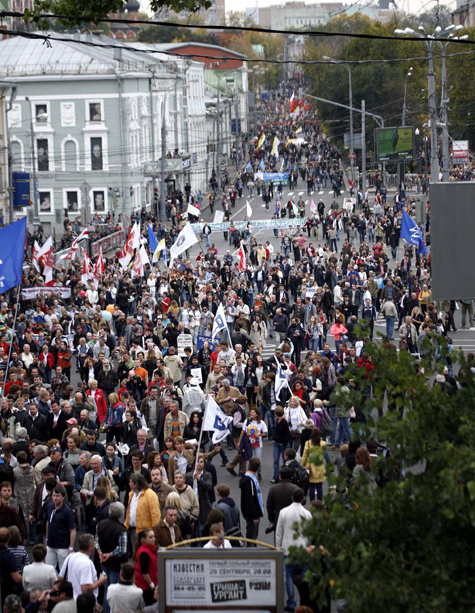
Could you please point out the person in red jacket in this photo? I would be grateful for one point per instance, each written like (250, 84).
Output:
(47, 359)
(98, 401)
(146, 565)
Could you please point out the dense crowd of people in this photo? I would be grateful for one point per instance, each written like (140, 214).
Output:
(103, 455)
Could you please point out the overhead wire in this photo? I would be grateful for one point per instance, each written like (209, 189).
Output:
(311, 33)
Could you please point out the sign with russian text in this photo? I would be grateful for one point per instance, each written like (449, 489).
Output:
(254, 225)
(182, 342)
(214, 581)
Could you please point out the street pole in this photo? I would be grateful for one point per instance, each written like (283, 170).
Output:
(352, 161)
(236, 93)
(163, 194)
(350, 95)
(363, 149)
(445, 120)
(434, 157)
(218, 130)
(402, 163)
(36, 217)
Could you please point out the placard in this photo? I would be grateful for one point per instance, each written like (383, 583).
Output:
(198, 374)
(29, 293)
(219, 582)
(183, 341)
(200, 339)
(310, 292)
(218, 217)
(193, 210)
(254, 225)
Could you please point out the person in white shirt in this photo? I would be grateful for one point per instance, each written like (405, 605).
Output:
(217, 541)
(79, 569)
(125, 596)
(39, 575)
(286, 537)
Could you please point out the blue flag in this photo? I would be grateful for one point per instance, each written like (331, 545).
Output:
(152, 239)
(248, 167)
(411, 233)
(12, 251)
(262, 166)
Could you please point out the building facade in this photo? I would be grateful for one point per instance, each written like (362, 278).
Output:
(297, 15)
(91, 125)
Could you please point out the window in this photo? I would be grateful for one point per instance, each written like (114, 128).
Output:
(97, 162)
(71, 200)
(45, 200)
(41, 113)
(99, 201)
(42, 154)
(95, 111)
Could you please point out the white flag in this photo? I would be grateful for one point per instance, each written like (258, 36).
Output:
(280, 381)
(216, 421)
(144, 257)
(185, 240)
(248, 210)
(219, 321)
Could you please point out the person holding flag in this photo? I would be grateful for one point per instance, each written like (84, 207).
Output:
(219, 323)
(411, 233)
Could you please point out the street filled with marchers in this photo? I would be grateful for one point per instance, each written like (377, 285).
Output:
(151, 394)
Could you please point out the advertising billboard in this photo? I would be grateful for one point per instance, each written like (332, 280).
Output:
(460, 151)
(394, 144)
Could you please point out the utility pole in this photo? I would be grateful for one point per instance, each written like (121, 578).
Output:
(434, 157)
(237, 119)
(363, 149)
(163, 194)
(218, 131)
(445, 119)
(36, 217)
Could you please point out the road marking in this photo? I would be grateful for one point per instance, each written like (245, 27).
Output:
(300, 193)
(306, 201)
(330, 192)
(238, 211)
(290, 194)
(319, 193)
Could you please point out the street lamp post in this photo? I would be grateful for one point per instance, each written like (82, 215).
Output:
(36, 217)
(348, 67)
(402, 163)
(445, 104)
(439, 33)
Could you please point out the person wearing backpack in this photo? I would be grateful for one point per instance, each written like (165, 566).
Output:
(316, 471)
(300, 476)
(321, 419)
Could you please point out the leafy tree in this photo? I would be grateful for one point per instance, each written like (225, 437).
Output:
(408, 547)
(92, 11)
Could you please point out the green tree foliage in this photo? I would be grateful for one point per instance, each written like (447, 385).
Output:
(92, 11)
(407, 548)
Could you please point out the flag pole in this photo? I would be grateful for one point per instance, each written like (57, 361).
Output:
(11, 343)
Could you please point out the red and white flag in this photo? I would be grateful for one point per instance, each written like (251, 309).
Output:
(98, 269)
(34, 256)
(43, 251)
(242, 257)
(132, 242)
(86, 269)
(48, 265)
(71, 254)
(137, 268)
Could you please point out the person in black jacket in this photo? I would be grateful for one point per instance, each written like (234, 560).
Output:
(205, 485)
(35, 423)
(56, 422)
(252, 504)
(232, 516)
(281, 439)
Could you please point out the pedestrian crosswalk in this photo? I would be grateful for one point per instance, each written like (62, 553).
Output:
(269, 350)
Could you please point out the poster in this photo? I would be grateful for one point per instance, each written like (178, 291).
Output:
(218, 217)
(310, 292)
(198, 374)
(217, 582)
(183, 341)
(201, 339)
